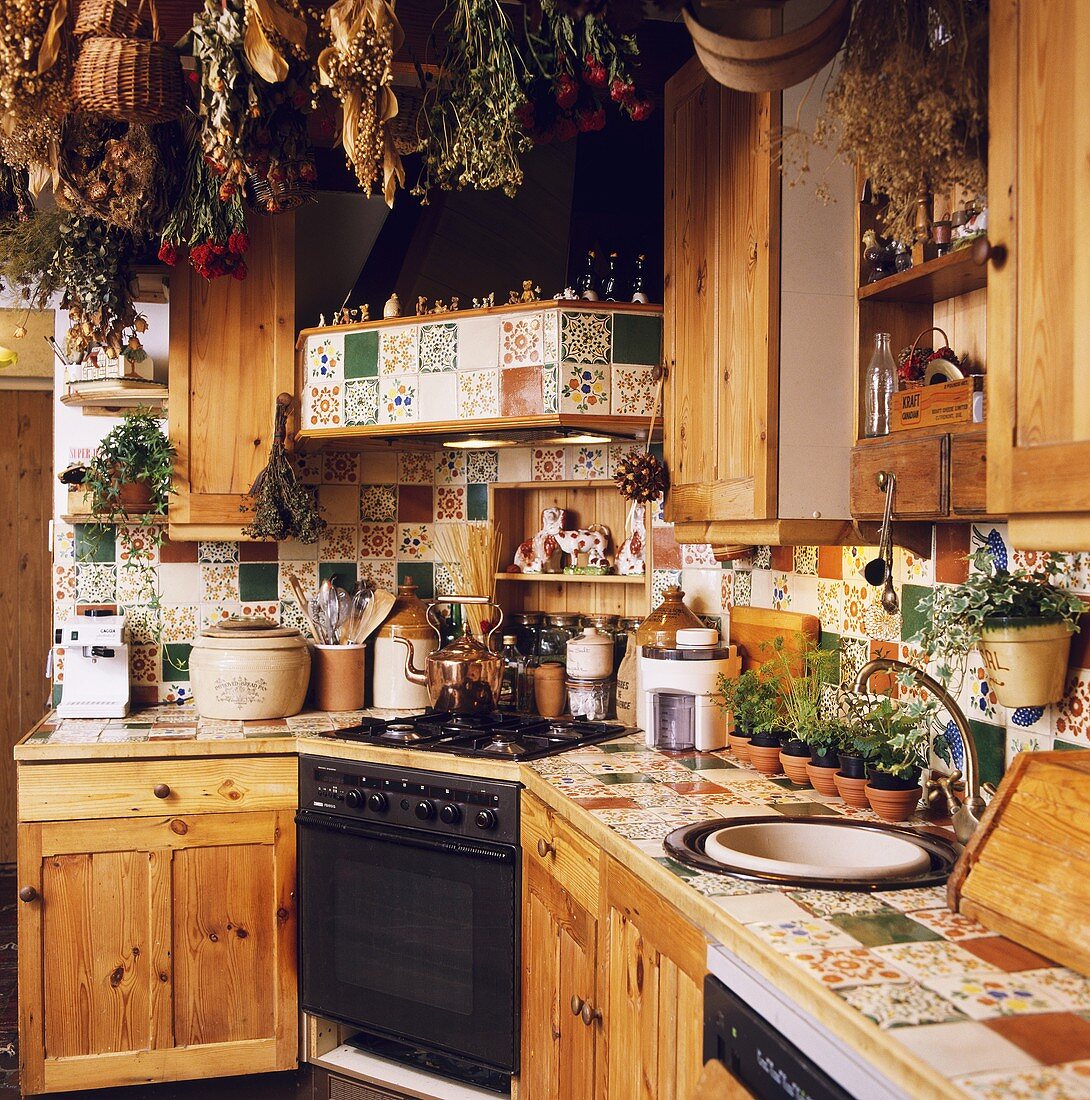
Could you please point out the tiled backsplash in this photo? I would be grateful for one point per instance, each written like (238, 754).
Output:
(382, 509)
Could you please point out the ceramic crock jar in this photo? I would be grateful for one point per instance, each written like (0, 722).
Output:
(408, 619)
(590, 655)
(660, 628)
(249, 669)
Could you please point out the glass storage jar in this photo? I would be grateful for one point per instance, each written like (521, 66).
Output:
(560, 627)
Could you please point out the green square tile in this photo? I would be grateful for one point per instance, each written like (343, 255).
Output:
(176, 662)
(831, 643)
(477, 502)
(637, 339)
(705, 763)
(421, 573)
(1066, 746)
(877, 929)
(345, 572)
(95, 542)
(623, 777)
(258, 581)
(57, 689)
(676, 868)
(911, 618)
(361, 355)
(990, 750)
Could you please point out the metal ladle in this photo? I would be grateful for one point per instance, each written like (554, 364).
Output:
(876, 570)
(890, 602)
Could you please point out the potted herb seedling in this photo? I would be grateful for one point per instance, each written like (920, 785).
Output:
(1019, 621)
(752, 699)
(826, 741)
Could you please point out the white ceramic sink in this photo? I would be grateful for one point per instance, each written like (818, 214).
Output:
(810, 849)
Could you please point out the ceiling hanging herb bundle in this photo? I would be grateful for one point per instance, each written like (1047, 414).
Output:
(469, 128)
(357, 64)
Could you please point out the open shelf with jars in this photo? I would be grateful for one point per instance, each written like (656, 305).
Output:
(517, 508)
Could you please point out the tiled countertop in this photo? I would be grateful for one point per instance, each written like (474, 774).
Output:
(939, 1003)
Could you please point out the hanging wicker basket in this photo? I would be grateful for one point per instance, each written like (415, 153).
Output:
(106, 19)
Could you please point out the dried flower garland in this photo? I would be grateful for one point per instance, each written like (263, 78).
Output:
(270, 34)
(471, 136)
(364, 35)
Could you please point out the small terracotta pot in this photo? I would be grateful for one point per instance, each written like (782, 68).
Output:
(893, 805)
(852, 790)
(822, 780)
(739, 746)
(550, 693)
(765, 758)
(795, 768)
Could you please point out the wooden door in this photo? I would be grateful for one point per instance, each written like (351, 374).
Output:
(157, 949)
(232, 350)
(721, 300)
(651, 970)
(1038, 324)
(558, 979)
(26, 605)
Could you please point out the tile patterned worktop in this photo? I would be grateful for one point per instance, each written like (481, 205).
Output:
(940, 1004)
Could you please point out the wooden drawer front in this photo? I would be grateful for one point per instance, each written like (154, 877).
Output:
(564, 852)
(921, 467)
(48, 792)
(968, 476)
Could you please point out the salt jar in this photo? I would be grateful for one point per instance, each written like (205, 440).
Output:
(590, 655)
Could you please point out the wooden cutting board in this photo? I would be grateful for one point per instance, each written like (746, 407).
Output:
(1025, 872)
(753, 627)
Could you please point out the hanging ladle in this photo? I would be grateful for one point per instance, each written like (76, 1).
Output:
(877, 569)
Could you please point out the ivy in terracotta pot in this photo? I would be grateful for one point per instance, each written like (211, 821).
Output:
(1019, 621)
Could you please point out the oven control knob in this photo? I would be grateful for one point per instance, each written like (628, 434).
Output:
(450, 814)
(377, 802)
(486, 819)
(353, 799)
(425, 809)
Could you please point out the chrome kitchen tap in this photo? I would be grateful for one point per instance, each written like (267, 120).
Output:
(965, 815)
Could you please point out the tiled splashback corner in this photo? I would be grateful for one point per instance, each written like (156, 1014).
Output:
(382, 510)
(544, 360)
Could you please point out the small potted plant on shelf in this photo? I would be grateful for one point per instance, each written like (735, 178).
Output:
(752, 700)
(826, 741)
(1020, 622)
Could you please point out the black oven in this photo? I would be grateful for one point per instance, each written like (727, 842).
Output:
(409, 906)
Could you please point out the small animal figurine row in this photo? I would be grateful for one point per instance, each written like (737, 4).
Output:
(544, 551)
(631, 558)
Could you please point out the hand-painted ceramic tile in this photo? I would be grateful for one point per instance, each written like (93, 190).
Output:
(743, 588)
(482, 467)
(144, 664)
(378, 503)
(361, 402)
(450, 503)
(305, 572)
(847, 966)
(1069, 990)
(856, 599)
(951, 926)
(325, 357)
(397, 351)
(984, 996)
(520, 392)
(1072, 714)
(806, 560)
(361, 354)
(880, 624)
(377, 540)
(589, 463)
(414, 542)
(897, 1004)
(522, 341)
(551, 336)
(381, 572)
(337, 543)
(633, 390)
(803, 935)
(438, 347)
(1061, 1082)
(661, 579)
(547, 464)
(211, 553)
(478, 394)
(726, 589)
(135, 585)
(450, 468)
(586, 337)
(478, 343)
(137, 545)
(179, 623)
(698, 556)
(762, 557)
(830, 903)
(219, 583)
(96, 582)
(218, 612)
(397, 399)
(323, 406)
(415, 467)
(934, 959)
(637, 338)
(584, 389)
(340, 468)
(550, 387)
(308, 467)
(781, 592)
(64, 542)
(261, 609)
(438, 397)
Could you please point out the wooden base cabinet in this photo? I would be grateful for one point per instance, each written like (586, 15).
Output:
(612, 1001)
(156, 949)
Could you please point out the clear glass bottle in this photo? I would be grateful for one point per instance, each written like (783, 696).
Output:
(881, 383)
(513, 664)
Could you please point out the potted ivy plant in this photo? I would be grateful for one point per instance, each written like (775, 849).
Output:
(752, 700)
(1019, 621)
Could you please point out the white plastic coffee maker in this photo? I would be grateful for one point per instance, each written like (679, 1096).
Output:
(677, 707)
(96, 666)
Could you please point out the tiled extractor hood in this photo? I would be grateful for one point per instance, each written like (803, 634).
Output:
(523, 372)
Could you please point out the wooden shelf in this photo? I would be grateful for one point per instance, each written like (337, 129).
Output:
(113, 396)
(955, 430)
(948, 276)
(569, 578)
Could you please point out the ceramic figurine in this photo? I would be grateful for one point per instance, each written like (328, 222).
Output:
(512, 297)
(392, 308)
(321, 320)
(365, 313)
(454, 303)
(490, 301)
(540, 553)
(421, 306)
(568, 294)
(631, 556)
(592, 541)
(530, 293)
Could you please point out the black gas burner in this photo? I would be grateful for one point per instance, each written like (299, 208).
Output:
(497, 735)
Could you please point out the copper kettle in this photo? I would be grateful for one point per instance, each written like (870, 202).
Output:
(465, 676)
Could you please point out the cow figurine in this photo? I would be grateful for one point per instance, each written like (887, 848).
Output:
(592, 541)
(630, 558)
(541, 553)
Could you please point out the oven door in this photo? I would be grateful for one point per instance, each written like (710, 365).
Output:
(411, 936)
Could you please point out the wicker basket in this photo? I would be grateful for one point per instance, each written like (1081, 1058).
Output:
(106, 19)
(129, 79)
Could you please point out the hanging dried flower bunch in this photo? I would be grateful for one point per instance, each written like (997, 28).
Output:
(641, 477)
(471, 136)
(357, 64)
(273, 36)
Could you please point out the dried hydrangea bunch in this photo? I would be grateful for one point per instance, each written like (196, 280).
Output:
(357, 64)
(470, 129)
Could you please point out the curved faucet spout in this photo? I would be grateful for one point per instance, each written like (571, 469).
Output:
(965, 816)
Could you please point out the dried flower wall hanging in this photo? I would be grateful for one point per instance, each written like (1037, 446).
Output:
(270, 34)
(364, 35)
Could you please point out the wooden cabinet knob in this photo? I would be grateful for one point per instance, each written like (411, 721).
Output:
(161, 790)
(544, 848)
(590, 1014)
(577, 1004)
(984, 250)
(28, 893)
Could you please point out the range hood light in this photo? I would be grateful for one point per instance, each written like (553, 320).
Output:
(476, 444)
(581, 438)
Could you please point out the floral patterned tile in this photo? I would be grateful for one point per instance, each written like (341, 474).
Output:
(726, 589)
(847, 966)
(144, 664)
(550, 388)
(806, 560)
(381, 572)
(135, 585)
(179, 623)
(829, 604)
(398, 350)
(584, 389)
(325, 358)
(378, 503)
(743, 588)
(620, 452)
(898, 1004)
(984, 996)
(415, 468)
(661, 579)
(854, 654)
(450, 468)
(225, 553)
(323, 405)
(214, 613)
(522, 341)
(827, 903)
(951, 926)
(1065, 987)
(219, 583)
(361, 401)
(482, 467)
(781, 592)
(438, 347)
(450, 503)
(586, 337)
(547, 464)
(478, 394)
(803, 935)
(397, 399)
(589, 463)
(136, 545)
(377, 540)
(308, 467)
(64, 543)
(856, 601)
(1062, 1082)
(96, 582)
(935, 959)
(1072, 713)
(338, 543)
(698, 556)
(633, 390)
(340, 468)
(414, 542)
(305, 572)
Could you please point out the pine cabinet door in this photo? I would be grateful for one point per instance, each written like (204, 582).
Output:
(559, 979)
(156, 949)
(1038, 323)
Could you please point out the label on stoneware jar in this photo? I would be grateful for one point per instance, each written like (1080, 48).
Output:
(627, 683)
